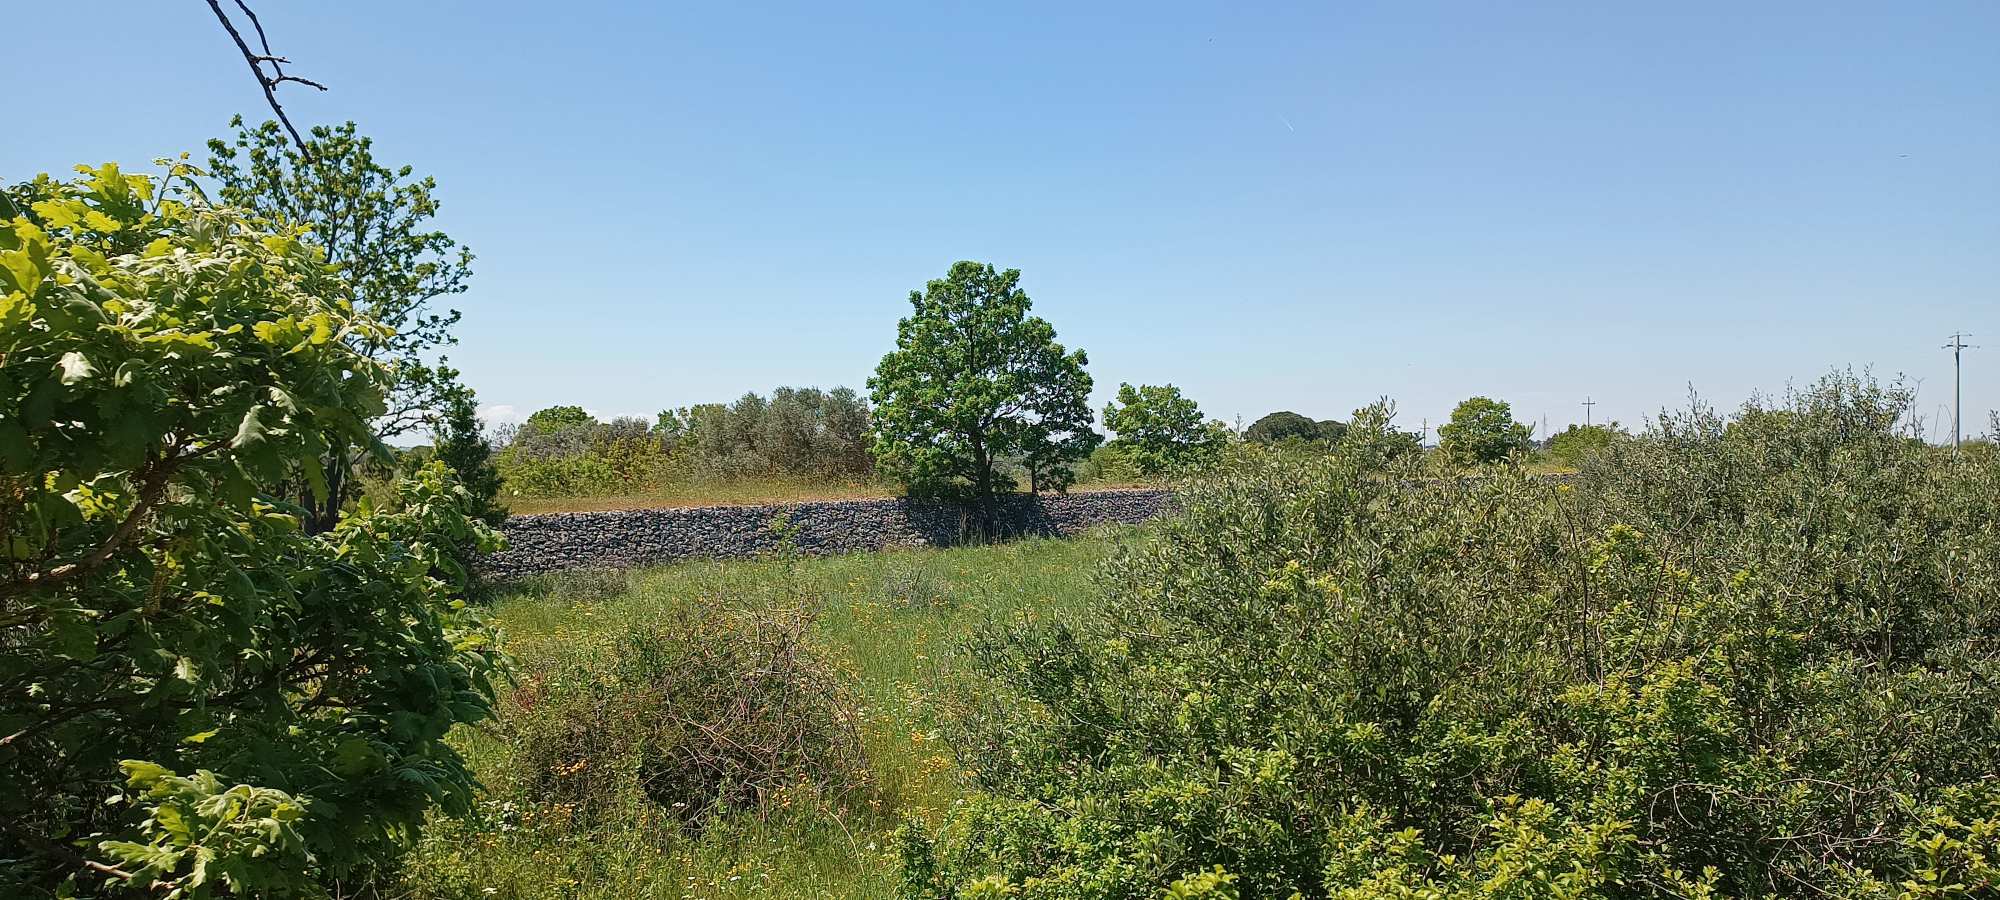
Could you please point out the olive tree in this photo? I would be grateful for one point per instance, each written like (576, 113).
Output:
(975, 379)
(196, 694)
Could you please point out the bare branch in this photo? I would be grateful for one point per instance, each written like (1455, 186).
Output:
(269, 81)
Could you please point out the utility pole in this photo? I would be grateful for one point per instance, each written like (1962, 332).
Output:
(1957, 347)
(1587, 404)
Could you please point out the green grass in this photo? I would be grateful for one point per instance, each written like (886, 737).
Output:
(887, 620)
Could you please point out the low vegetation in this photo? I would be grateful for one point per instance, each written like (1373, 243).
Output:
(1738, 657)
(730, 729)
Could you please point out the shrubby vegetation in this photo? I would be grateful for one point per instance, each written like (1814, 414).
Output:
(198, 694)
(799, 434)
(1574, 445)
(1738, 657)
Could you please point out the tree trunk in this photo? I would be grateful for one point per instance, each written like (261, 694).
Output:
(983, 485)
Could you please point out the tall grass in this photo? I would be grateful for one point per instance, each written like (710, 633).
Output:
(884, 621)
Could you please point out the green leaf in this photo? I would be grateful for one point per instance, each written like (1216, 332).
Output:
(15, 450)
(74, 637)
(251, 430)
(76, 367)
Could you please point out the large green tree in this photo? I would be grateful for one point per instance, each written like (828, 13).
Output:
(975, 379)
(1163, 429)
(196, 694)
(1482, 430)
(375, 225)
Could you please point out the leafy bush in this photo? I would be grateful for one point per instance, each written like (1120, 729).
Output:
(1109, 464)
(1748, 657)
(802, 434)
(706, 711)
(196, 695)
(798, 432)
(1574, 444)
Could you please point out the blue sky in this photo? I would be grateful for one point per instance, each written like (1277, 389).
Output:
(1273, 206)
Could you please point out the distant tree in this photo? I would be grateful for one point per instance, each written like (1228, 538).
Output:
(459, 441)
(1572, 445)
(1279, 426)
(1482, 430)
(374, 224)
(974, 379)
(1163, 428)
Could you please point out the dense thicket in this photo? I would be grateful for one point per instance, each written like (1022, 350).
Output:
(196, 694)
(1738, 657)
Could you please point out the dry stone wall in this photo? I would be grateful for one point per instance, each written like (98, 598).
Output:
(619, 539)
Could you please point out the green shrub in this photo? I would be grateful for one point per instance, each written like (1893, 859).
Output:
(1574, 444)
(1748, 657)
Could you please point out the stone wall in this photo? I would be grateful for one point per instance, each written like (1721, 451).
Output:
(620, 539)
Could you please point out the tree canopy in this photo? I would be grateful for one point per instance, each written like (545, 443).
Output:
(1286, 425)
(974, 379)
(197, 695)
(373, 224)
(1163, 429)
(1482, 430)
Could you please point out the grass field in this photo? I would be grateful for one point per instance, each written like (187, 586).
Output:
(887, 621)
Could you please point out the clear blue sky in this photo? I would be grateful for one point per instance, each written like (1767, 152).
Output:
(1273, 206)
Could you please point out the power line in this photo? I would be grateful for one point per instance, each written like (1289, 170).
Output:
(1958, 346)
(1587, 404)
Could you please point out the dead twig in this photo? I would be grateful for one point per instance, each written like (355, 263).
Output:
(268, 80)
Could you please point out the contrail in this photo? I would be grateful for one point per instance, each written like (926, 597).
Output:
(1288, 124)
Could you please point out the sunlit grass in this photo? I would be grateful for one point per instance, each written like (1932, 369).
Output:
(888, 621)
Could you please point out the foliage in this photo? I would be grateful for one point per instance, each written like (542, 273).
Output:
(460, 443)
(705, 711)
(1111, 463)
(797, 436)
(1482, 430)
(1736, 658)
(798, 432)
(1280, 426)
(374, 225)
(1372, 437)
(974, 379)
(557, 420)
(1163, 429)
(1577, 442)
(883, 623)
(196, 696)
